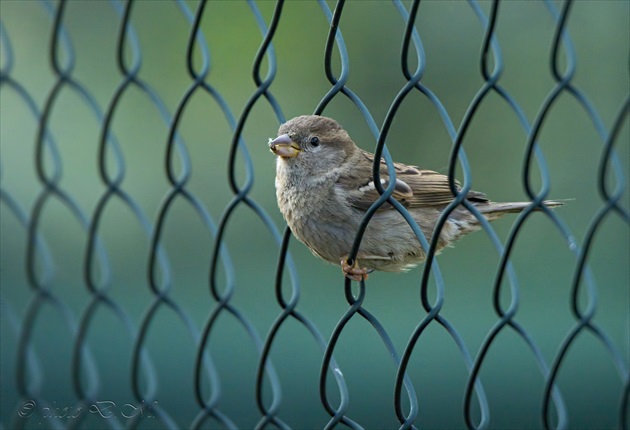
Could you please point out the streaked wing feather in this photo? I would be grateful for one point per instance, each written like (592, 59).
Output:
(414, 188)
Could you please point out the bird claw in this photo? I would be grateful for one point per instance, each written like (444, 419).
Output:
(353, 271)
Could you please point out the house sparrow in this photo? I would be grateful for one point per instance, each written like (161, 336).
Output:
(324, 186)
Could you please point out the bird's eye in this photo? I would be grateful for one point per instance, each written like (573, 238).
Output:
(315, 141)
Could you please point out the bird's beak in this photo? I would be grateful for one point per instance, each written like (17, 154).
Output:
(284, 147)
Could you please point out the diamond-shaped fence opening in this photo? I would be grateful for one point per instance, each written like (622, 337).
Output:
(149, 281)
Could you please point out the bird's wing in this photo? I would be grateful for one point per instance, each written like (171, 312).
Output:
(414, 187)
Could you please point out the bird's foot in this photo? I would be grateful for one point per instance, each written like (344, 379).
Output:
(353, 271)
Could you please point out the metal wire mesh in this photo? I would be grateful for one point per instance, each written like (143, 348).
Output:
(88, 403)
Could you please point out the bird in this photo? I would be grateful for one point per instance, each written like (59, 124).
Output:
(324, 186)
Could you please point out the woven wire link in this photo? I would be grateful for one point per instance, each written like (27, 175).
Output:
(28, 372)
(97, 270)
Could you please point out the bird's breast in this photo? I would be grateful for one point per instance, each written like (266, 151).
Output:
(297, 202)
(314, 215)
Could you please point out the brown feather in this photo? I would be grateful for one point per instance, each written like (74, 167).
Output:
(428, 188)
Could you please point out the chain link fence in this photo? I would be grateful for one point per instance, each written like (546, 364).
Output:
(148, 280)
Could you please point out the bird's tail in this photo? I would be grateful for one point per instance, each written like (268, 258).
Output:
(493, 210)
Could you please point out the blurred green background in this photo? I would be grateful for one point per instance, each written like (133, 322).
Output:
(452, 38)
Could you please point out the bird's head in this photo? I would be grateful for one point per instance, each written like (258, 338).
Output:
(311, 144)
